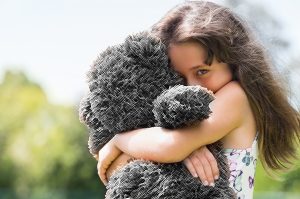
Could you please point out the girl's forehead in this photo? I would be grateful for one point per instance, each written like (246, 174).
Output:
(187, 56)
(187, 52)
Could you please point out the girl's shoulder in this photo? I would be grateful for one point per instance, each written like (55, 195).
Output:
(234, 90)
(234, 87)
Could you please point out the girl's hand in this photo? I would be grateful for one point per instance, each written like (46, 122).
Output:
(117, 164)
(201, 163)
(105, 157)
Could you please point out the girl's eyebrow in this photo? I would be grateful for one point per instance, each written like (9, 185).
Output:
(198, 66)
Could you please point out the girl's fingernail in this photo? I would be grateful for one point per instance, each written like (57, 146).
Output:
(205, 183)
(216, 177)
(212, 184)
(195, 175)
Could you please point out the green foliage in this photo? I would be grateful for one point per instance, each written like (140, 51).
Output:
(286, 182)
(43, 146)
(292, 180)
(263, 182)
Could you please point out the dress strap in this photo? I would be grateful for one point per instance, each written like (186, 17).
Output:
(255, 140)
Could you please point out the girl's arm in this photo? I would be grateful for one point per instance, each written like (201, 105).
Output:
(166, 146)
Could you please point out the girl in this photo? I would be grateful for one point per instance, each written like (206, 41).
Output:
(210, 46)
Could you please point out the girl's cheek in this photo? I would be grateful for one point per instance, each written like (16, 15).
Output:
(204, 82)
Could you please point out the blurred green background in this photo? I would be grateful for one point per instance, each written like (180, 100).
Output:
(46, 48)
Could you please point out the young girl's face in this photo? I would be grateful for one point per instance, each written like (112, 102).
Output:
(188, 59)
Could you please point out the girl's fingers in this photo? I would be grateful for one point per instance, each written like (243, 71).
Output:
(189, 165)
(204, 164)
(213, 163)
(207, 170)
(101, 172)
(199, 170)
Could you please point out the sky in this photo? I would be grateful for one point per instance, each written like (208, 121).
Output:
(55, 41)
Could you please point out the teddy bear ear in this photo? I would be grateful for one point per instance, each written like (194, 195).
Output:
(145, 48)
(85, 111)
(84, 108)
(98, 135)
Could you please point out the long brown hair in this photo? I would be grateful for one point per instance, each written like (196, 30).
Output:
(228, 38)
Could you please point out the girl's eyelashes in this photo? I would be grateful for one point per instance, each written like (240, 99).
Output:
(201, 71)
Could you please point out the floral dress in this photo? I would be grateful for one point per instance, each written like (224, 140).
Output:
(242, 164)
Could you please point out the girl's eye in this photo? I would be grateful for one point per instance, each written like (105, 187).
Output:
(202, 71)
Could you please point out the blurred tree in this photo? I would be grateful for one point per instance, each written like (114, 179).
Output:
(266, 27)
(43, 146)
(292, 180)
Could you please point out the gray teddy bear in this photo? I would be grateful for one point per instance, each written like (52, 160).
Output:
(131, 86)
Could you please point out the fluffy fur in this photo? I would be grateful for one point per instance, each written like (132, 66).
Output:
(132, 86)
